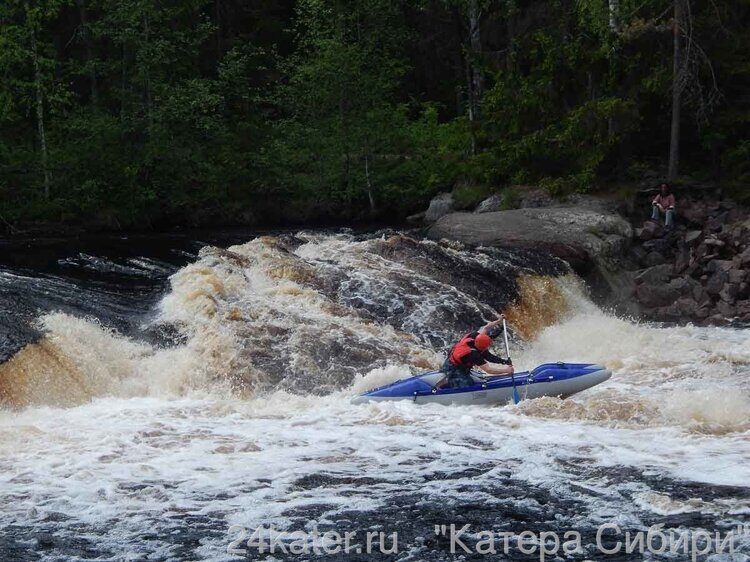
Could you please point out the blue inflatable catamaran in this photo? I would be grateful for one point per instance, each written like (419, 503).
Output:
(550, 379)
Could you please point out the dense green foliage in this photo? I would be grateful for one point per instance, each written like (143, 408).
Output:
(144, 112)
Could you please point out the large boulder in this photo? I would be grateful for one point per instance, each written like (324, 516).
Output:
(490, 205)
(719, 265)
(682, 258)
(654, 258)
(715, 223)
(716, 282)
(654, 275)
(743, 310)
(655, 296)
(531, 196)
(743, 259)
(692, 237)
(659, 245)
(578, 235)
(737, 276)
(441, 205)
(682, 308)
(650, 230)
(729, 292)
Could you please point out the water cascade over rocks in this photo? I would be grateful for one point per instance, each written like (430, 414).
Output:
(306, 313)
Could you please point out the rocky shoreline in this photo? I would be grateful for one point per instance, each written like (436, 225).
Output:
(697, 272)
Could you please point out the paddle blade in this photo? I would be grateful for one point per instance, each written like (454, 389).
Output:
(516, 397)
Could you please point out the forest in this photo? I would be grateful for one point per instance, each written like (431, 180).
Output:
(150, 113)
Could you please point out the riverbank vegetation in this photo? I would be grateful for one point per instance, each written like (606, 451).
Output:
(140, 113)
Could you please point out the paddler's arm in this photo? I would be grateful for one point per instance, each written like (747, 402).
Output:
(487, 328)
(496, 369)
(492, 358)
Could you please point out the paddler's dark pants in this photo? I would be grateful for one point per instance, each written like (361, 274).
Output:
(458, 377)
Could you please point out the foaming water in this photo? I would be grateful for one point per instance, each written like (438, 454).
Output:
(121, 446)
(307, 313)
(661, 375)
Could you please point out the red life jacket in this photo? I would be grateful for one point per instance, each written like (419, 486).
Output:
(460, 353)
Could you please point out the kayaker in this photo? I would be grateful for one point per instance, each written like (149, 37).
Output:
(473, 350)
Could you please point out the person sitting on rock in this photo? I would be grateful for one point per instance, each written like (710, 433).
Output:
(664, 204)
(472, 350)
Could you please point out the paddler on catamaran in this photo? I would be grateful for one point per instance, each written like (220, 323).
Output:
(473, 350)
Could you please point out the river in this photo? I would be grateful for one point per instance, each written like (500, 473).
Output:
(160, 394)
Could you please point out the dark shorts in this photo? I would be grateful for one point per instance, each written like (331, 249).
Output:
(457, 377)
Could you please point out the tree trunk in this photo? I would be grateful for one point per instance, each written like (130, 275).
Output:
(614, 16)
(370, 196)
(678, 79)
(475, 39)
(219, 29)
(124, 82)
(470, 105)
(86, 33)
(40, 111)
(147, 75)
(510, 29)
(474, 76)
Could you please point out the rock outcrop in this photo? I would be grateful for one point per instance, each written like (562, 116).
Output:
(440, 205)
(579, 235)
(490, 205)
(592, 238)
(698, 272)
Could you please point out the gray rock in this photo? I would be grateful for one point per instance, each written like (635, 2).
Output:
(729, 293)
(654, 275)
(702, 312)
(716, 282)
(700, 295)
(716, 320)
(416, 218)
(715, 223)
(654, 296)
(579, 235)
(682, 259)
(695, 213)
(692, 237)
(441, 205)
(534, 197)
(719, 265)
(654, 258)
(649, 231)
(709, 258)
(660, 245)
(681, 284)
(725, 309)
(491, 204)
(638, 254)
(686, 307)
(743, 308)
(737, 276)
(665, 313)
